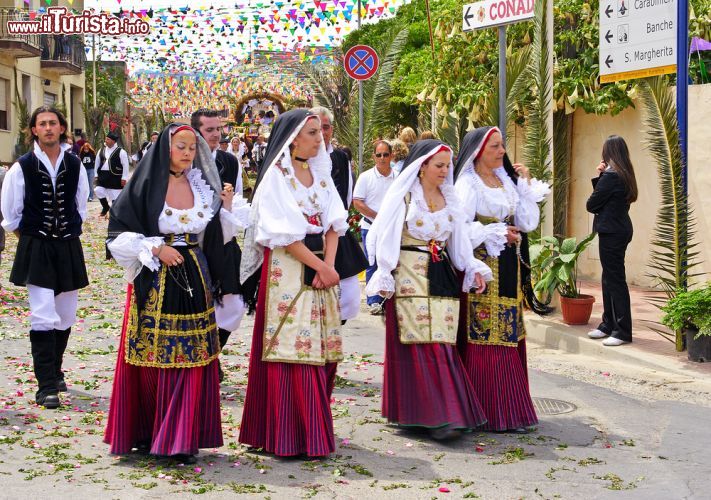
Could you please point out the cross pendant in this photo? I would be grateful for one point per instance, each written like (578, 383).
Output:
(189, 290)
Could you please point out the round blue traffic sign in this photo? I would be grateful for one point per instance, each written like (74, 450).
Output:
(361, 62)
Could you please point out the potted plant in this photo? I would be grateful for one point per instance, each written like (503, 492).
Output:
(690, 311)
(555, 261)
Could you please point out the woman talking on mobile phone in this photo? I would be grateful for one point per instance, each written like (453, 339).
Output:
(614, 190)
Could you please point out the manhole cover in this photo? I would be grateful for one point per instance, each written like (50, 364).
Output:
(548, 406)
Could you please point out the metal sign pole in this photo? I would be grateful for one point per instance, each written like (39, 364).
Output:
(502, 82)
(93, 66)
(360, 112)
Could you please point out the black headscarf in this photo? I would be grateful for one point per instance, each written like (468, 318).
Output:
(141, 201)
(472, 145)
(286, 128)
(420, 149)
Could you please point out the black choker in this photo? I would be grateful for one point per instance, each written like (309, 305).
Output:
(300, 159)
(177, 174)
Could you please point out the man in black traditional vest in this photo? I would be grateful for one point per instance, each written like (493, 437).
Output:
(350, 258)
(229, 312)
(112, 172)
(44, 199)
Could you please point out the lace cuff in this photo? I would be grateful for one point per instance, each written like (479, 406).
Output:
(381, 281)
(533, 190)
(470, 274)
(495, 241)
(145, 254)
(339, 225)
(236, 220)
(132, 251)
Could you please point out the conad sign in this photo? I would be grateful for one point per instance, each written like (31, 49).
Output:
(496, 12)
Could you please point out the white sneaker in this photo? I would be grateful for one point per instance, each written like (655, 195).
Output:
(612, 341)
(597, 334)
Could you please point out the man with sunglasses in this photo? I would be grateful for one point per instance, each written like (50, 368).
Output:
(368, 195)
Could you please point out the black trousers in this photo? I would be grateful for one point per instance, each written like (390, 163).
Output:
(617, 315)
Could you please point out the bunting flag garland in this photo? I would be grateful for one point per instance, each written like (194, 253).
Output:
(182, 93)
(219, 38)
(200, 54)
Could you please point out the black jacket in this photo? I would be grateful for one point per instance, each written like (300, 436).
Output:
(609, 204)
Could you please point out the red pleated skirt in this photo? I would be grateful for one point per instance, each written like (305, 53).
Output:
(176, 410)
(426, 385)
(287, 410)
(500, 378)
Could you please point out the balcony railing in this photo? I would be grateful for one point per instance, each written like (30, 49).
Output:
(63, 53)
(17, 45)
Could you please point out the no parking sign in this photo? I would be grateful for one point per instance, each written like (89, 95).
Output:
(361, 62)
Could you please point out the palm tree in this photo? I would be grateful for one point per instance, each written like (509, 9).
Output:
(672, 245)
(538, 140)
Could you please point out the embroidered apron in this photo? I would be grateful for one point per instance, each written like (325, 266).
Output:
(423, 317)
(303, 324)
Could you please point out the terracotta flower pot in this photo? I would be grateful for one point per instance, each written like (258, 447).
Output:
(577, 311)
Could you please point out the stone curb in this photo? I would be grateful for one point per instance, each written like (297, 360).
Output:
(553, 334)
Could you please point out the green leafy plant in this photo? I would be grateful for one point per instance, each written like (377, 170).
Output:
(673, 254)
(556, 262)
(690, 309)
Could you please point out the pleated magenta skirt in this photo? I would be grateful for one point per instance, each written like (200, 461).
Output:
(426, 385)
(176, 410)
(500, 378)
(287, 410)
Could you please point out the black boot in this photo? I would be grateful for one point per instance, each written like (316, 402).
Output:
(104, 206)
(224, 335)
(43, 359)
(61, 339)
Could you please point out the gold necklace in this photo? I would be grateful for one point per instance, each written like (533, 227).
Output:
(488, 182)
(303, 161)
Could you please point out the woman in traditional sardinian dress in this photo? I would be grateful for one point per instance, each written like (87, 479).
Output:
(168, 229)
(418, 237)
(501, 202)
(297, 217)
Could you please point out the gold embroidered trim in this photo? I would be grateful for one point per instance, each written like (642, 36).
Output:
(490, 299)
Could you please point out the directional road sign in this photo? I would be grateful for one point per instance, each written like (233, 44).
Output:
(637, 38)
(361, 62)
(495, 13)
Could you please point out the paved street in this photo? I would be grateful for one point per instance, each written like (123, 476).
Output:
(633, 433)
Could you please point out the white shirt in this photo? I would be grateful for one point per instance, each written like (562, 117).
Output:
(12, 200)
(447, 224)
(282, 203)
(123, 156)
(132, 251)
(371, 188)
(519, 200)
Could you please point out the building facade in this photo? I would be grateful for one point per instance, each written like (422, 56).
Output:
(37, 69)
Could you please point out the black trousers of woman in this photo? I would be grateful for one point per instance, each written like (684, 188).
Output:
(617, 314)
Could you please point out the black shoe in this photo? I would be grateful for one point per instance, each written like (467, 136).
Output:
(49, 401)
(62, 385)
(184, 458)
(43, 361)
(445, 433)
(224, 336)
(523, 430)
(143, 447)
(61, 339)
